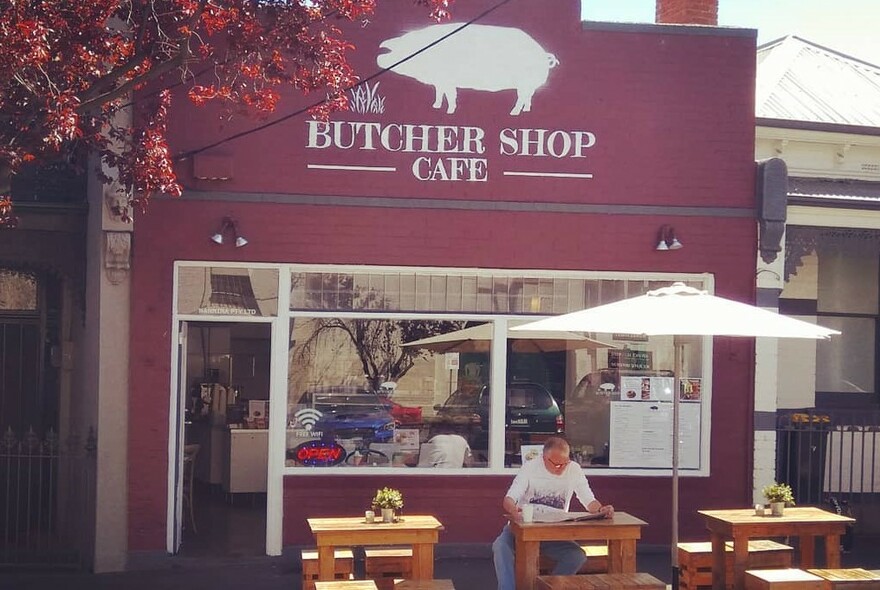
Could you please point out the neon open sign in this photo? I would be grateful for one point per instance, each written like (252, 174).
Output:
(319, 453)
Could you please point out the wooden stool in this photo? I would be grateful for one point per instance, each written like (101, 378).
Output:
(848, 579)
(346, 585)
(785, 579)
(597, 561)
(600, 582)
(388, 562)
(695, 561)
(344, 566)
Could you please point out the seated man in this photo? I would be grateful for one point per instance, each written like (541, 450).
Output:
(550, 481)
(446, 448)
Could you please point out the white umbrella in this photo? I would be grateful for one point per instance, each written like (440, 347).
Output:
(479, 339)
(680, 310)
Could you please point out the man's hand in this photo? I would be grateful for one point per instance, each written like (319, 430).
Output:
(607, 510)
(511, 510)
(515, 516)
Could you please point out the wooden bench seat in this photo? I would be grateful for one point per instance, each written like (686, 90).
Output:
(597, 561)
(401, 584)
(695, 561)
(344, 565)
(848, 579)
(388, 562)
(600, 582)
(346, 585)
(783, 579)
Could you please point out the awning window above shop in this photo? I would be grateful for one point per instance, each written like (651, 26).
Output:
(227, 291)
(457, 291)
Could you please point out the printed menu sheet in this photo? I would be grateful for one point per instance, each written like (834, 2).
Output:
(633, 388)
(641, 435)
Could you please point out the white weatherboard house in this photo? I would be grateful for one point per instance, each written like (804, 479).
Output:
(819, 111)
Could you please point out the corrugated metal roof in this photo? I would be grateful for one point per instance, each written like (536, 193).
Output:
(800, 81)
(834, 190)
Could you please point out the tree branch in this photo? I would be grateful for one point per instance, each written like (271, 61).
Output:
(130, 85)
(103, 91)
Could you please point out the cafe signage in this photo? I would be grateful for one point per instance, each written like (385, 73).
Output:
(446, 152)
(449, 58)
(319, 453)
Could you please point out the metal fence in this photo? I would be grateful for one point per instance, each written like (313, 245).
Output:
(46, 499)
(832, 458)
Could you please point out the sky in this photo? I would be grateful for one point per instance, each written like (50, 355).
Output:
(847, 26)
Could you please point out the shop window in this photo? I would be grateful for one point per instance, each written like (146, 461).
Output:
(361, 394)
(391, 368)
(611, 396)
(847, 300)
(378, 391)
(845, 363)
(840, 265)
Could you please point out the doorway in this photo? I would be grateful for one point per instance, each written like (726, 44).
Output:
(224, 386)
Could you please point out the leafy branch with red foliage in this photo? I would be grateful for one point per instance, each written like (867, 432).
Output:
(68, 69)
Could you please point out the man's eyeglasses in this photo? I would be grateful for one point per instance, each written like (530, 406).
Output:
(558, 465)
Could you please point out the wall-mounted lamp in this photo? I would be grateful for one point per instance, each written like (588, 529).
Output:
(666, 239)
(229, 225)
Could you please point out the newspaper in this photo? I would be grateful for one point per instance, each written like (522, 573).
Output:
(548, 514)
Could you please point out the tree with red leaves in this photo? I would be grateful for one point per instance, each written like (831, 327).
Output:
(67, 69)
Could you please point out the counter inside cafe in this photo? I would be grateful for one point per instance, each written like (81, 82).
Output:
(233, 436)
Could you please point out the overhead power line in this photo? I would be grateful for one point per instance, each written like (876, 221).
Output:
(272, 123)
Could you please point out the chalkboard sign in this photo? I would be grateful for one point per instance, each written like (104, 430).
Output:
(630, 360)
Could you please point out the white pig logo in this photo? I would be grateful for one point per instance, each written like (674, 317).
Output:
(478, 57)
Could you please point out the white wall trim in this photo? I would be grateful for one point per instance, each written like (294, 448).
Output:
(833, 217)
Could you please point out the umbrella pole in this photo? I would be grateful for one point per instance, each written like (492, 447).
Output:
(675, 446)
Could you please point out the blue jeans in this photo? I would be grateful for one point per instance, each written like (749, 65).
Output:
(568, 555)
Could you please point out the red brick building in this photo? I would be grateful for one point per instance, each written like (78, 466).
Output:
(558, 151)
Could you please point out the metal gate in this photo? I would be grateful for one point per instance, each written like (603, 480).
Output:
(830, 456)
(46, 499)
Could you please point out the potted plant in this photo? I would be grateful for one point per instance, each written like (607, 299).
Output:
(387, 500)
(778, 494)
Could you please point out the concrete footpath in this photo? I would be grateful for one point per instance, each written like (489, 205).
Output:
(469, 570)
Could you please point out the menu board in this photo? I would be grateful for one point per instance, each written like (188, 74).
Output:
(641, 435)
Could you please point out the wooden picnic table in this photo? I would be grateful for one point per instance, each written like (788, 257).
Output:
(740, 525)
(622, 531)
(420, 531)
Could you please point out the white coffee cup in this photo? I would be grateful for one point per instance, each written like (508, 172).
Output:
(528, 513)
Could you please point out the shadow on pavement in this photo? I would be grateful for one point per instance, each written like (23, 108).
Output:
(468, 572)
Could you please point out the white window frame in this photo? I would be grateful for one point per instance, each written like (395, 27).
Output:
(277, 470)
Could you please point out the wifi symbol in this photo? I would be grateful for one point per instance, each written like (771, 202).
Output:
(308, 417)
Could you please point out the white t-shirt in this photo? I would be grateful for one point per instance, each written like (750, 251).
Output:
(535, 485)
(448, 450)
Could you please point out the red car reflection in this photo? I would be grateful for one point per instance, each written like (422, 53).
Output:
(403, 414)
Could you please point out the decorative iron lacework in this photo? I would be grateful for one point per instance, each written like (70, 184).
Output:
(803, 241)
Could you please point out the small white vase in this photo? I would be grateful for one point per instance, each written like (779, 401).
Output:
(777, 508)
(388, 515)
